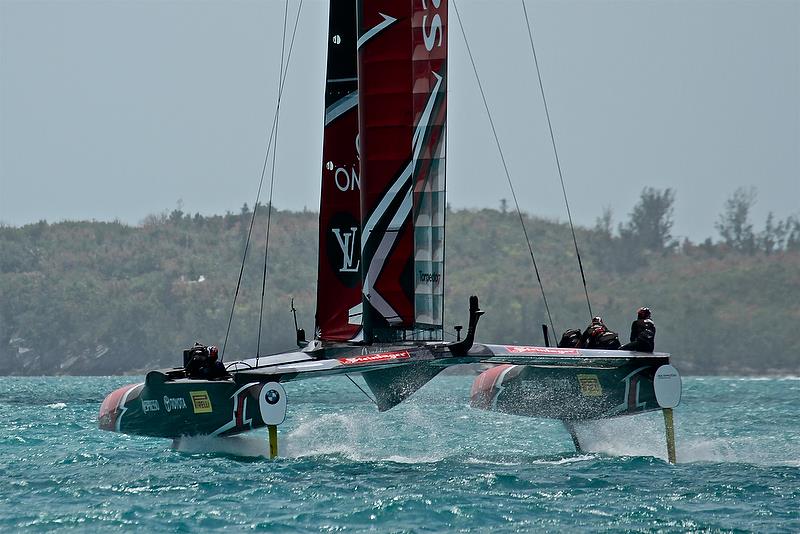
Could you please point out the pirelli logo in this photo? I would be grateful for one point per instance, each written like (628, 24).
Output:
(200, 402)
(590, 386)
(376, 358)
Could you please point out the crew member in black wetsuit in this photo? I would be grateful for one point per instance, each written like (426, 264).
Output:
(215, 370)
(643, 333)
(591, 336)
(198, 362)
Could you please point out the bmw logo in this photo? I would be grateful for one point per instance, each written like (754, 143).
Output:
(273, 396)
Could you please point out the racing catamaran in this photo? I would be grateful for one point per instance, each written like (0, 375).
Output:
(380, 295)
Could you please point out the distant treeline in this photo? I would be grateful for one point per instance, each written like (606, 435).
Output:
(106, 298)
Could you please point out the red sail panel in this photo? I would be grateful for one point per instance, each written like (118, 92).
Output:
(339, 271)
(386, 128)
(429, 31)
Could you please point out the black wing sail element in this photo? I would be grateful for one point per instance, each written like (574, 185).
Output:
(339, 271)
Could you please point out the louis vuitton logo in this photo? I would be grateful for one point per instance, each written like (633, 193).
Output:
(347, 242)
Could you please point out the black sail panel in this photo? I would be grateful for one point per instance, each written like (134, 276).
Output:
(339, 271)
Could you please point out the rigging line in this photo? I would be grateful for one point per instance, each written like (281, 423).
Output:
(505, 168)
(272, 181)
(247, 242)
(258, 193)
(362, 390)
(291, 43)
(282, 83)
(555, 152)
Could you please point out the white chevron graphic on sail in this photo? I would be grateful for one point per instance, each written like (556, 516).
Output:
(340, 107)
(389, 237)
(372, 32)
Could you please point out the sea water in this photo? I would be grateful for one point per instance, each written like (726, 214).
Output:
(432, 464)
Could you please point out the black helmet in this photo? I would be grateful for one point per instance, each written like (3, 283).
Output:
(597, 320)
(643, 313)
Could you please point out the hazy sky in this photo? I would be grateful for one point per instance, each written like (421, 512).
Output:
(122, 109)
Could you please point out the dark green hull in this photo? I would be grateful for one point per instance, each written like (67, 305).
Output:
(183, 407)
(566, 384)
(569, 393)
(170, 405)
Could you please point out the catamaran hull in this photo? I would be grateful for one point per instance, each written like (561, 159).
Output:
(170, 405)
(172, 409)
(577, 393)
(567, 384)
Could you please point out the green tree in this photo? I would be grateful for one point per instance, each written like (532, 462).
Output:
(99, 298)
(734, 224)
(650, 224)
(603, 225)
(773, 236)
(792, 234)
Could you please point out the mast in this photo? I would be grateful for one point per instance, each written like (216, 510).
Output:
(339, 269)
(402, 60)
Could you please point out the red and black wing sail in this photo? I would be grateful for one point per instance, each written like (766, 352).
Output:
(402, 58)
(429, 38)
(339, 272)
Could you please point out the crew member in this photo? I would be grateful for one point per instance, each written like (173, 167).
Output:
(570, 338)
(215, 369)
(591, 336)
(643, 332)
(198, 362)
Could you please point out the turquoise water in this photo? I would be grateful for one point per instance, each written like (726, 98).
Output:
(430, 465)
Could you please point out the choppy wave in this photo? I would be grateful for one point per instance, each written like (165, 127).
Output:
(432, 464)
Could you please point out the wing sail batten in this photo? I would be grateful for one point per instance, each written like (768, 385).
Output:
(429, 59)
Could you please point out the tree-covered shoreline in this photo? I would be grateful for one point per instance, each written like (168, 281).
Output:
(107, 298)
